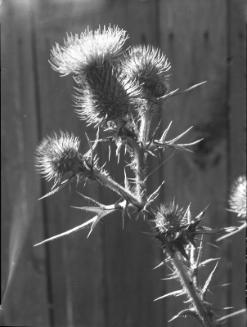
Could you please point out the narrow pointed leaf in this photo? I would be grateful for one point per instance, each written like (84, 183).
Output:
(98, 218)
(230, 315)
(163, 136)
(206, 285)
(89, 198)
(205, 262)
(155, 194)
(97, 210)
(173, 293)
(183, 313)
(159, 265)
(180, 135)
(56, 189)
(126, 181)
(191, 88)
(68, 232)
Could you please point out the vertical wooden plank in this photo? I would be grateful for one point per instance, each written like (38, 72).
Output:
(193, 35)
(237, 144)
(23, 271)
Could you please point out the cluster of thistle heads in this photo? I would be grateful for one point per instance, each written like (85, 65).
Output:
(115, 86)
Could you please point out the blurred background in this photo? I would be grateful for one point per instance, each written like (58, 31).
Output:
(108, 280)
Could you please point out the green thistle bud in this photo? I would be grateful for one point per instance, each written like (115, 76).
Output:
(173, 228)
(80, 51)
(238, 197)
(57, 156)
(149, 67)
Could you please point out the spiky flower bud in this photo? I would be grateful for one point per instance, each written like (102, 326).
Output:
(174, 228)
(80, 51)
(58, 156)
(149, 67)
(238, 197)
(106, 96)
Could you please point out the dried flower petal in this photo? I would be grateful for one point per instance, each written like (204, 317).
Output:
(58, 155)
(238, 197)
(79, 51)
(149, 67)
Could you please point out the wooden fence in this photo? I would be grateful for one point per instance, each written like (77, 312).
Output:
(107, 280)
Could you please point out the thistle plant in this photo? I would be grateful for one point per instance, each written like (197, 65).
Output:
(118, 90)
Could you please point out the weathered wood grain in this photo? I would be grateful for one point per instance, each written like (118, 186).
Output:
(236, 102)
(23, 271)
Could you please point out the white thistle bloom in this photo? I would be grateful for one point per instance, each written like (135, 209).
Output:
(58, 155)
(90, 47)
(107, 96)
(238, 197)
(150, 68)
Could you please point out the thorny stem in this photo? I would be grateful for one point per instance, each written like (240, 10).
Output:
(107, 181)
(188, 285)
(140, 155)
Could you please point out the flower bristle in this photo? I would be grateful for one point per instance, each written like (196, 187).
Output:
(106, 96)
(58, 155)
(237, 199)
(149, 67)
(80, 50)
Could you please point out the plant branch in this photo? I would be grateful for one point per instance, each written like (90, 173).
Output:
(108, 182)
(203, 313)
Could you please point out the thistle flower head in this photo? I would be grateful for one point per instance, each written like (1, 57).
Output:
(58, 155)
(238, 197)
(174, 228)
(79, 51)
(107, 95)
(150, 68)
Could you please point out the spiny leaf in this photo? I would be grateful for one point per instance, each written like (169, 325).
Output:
(173, 293)
(170, 278)
(126, 181)
(159, 265)
(90, 199)
(206, 285)
(182, 313)
(178, 92)
(98, 218)
(68, 232)
(97, 210)
(155, 194)
(56, 189)
(205, 262)
(234, 231)
(163, 136)
(172, 141)
(191, 88)
(230, 315)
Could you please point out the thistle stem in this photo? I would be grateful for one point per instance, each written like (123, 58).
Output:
(140, 155)
(108, 182)
(188, 285)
